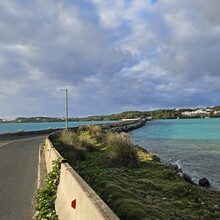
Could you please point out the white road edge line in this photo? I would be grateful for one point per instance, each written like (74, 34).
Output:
(38, 175)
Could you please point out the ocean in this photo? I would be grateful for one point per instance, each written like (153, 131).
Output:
(193, 144)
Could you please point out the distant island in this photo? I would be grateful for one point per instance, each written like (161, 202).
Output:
(206, 112)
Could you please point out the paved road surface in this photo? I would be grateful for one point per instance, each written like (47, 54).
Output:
(18, 178)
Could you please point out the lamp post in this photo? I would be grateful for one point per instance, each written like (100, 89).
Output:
(66, 105)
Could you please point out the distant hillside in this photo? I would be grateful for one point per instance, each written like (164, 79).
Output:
(136, 114)
(155, 114)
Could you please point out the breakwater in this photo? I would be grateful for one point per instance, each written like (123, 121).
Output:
(119, 126)
(124, 126)
(19, 127)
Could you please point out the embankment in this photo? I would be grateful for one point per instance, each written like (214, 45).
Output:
(75, 198)
(151, 190)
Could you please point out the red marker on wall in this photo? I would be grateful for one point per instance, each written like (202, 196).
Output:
(73, 204)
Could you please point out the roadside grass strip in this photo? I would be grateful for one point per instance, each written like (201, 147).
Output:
(46, 195)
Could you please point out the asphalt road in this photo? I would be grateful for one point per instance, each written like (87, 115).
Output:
(18, 178)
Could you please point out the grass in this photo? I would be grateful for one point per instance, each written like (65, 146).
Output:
(151, 190)
(122, 151)
(46, 196)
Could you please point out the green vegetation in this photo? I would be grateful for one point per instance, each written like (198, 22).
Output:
(78, 145)
(151, 190)
(122, 151)
(38, 119)
(216, 108)
(155, 114)
(47, 194)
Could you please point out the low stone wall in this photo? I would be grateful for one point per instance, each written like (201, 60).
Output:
(51, 154)
(75, 198)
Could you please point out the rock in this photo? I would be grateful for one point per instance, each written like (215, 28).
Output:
(188, 179)
(155, 157)
(216, 207)
(176, 167)
(180, 174)
(200, 201)
(204, 182)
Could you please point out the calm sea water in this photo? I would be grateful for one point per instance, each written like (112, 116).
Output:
(14, 127)
(194, 144)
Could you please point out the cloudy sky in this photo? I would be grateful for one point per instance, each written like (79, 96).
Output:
(112, 56)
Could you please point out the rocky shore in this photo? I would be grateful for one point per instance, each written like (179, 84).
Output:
(203, 182)
(153, 190)
(124, 126)
(127, 126)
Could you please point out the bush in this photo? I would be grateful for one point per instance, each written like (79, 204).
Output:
(70, 138)
(93, 133)
(80, 143)
(122, 151)
(71, 145)
(97, 133)
(87, 144)
(46, 196)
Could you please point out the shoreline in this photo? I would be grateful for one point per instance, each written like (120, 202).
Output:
(121, 126)
(144, 190)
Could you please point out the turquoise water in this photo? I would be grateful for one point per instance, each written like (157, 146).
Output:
(193, 144)
(14, 127)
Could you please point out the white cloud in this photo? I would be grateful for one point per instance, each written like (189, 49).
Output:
(111, 55)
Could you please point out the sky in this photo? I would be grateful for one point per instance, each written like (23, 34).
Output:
(112, 56)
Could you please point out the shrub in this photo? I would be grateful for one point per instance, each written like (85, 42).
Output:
(70, 138)
(122, 151)
(71, 145)
(87, 144)
(78, 144)
(93, 133)
(97, 133)
(46, 196)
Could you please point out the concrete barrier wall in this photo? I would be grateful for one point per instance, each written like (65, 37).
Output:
(51, 154)
(75, 198)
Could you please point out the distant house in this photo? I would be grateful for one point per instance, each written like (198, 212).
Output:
(216, 113)
(197, 113)
(130, 119)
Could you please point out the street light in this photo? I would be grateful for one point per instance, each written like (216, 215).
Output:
(66, 105)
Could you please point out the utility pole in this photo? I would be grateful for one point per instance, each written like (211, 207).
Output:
(66, 106)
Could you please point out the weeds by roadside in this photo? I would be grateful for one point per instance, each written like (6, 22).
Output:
(122, 152)
(46, 196)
